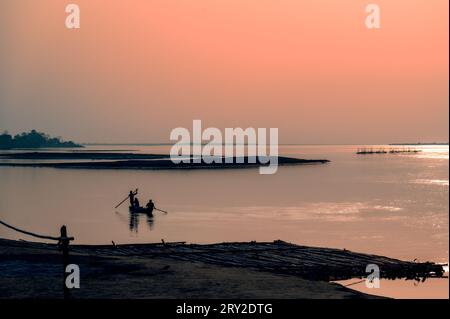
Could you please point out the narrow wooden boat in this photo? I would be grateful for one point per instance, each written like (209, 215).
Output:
(140, 210)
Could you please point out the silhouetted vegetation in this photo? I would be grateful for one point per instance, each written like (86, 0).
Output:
(32, 139)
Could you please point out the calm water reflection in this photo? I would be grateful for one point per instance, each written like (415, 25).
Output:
(135, 219)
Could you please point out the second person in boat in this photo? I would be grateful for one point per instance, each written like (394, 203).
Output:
(150, 205)
(136, 203)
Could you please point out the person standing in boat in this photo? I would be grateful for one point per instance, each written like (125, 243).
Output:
(131, 197)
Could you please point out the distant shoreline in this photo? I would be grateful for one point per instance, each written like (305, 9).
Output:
(280, 144)
(80, 155)
(135, 161)
(419, 143)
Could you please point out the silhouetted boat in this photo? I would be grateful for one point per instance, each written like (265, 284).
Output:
(141, 210)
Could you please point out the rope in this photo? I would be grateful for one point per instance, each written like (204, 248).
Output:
(29, 233)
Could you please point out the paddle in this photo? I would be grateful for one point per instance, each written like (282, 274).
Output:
(125, 199)
(163, 211)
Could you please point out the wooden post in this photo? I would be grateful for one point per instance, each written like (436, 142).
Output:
(64, 244)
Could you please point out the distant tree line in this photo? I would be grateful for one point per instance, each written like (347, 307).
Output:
(32, 139)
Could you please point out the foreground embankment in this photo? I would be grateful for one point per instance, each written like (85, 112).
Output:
(178, 270)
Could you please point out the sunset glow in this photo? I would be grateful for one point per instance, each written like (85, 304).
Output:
(310, 68)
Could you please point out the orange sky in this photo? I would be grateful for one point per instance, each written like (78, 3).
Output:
(139, 68)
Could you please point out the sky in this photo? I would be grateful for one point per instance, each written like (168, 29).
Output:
(137, 69)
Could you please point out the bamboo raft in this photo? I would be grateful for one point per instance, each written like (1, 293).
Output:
(311, 263)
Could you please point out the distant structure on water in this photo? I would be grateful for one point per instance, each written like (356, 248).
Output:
(365, 151)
